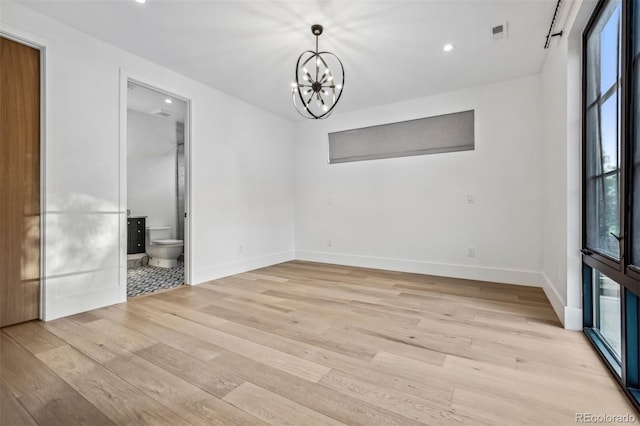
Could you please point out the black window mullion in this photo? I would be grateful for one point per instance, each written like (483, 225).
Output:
(625, 128)
(631, 341)
(604, 175)
(604, 97)
(631, 270)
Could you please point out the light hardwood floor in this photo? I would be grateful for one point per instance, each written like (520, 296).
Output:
(308, 344)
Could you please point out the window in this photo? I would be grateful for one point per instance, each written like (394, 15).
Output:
(606, 312)
(603, 132)
(611, 188)
(430, 135)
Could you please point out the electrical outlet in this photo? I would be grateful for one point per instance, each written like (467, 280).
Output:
(240, 249)
(471, 199)
(329, 243)
(471, 252)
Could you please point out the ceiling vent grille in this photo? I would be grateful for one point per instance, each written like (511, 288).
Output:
(162, 113)
(500, 32)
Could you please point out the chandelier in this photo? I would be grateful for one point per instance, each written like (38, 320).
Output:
(318, 81)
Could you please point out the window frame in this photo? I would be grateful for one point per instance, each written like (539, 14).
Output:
(627, 370)
(623, 92)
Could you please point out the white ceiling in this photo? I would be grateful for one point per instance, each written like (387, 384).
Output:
(143, 99)
(391, 50)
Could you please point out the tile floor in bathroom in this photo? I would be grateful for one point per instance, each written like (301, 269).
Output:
(149, 279)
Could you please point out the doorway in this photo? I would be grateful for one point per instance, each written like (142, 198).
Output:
(20, 196)
(157, 136)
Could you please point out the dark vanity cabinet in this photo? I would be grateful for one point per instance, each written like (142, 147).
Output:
(136, 234)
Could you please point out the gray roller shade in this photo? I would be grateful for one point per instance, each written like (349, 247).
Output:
(431, 135)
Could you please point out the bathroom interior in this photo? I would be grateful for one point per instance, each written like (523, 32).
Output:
(155, 190)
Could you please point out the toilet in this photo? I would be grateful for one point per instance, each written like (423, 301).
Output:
(162, 250)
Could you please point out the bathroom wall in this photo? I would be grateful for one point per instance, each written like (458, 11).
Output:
(151, 169)
(180, 181)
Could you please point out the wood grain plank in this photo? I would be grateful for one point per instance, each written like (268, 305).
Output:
(11, 410)
(60, 404)
(86, 340)
(116, 398)
(185, 399)
(123, 336)
(273, 408)
(322, 399)
(33, 337)
(196, 348)
(206, 376)
(409, 383)
(20, 370)
(419, 409)
(47, 398)
(294, 365)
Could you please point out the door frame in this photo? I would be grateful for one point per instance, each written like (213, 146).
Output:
(125, 78)
(35, 42)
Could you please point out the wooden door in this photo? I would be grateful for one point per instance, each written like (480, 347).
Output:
(19, 182)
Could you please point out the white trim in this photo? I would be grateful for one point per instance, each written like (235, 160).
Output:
(122, 190)
(571, 318)
(480, 273)
(233, 268)
(125, 77)
(557, 301)
(40, 44)
(22, 37)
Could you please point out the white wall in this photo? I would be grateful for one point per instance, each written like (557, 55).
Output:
(151, 169)
(561, 122)
(241, 170)
(411, 213)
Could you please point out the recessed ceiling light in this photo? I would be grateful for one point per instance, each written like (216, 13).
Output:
(167, 101)
(140, 1)
(447, 47)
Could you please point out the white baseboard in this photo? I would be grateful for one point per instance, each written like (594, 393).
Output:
(220, 271)
(480, 273)
(571, 318)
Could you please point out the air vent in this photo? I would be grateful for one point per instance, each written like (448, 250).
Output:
(500, 32)
(162, 113)
(130, 85)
